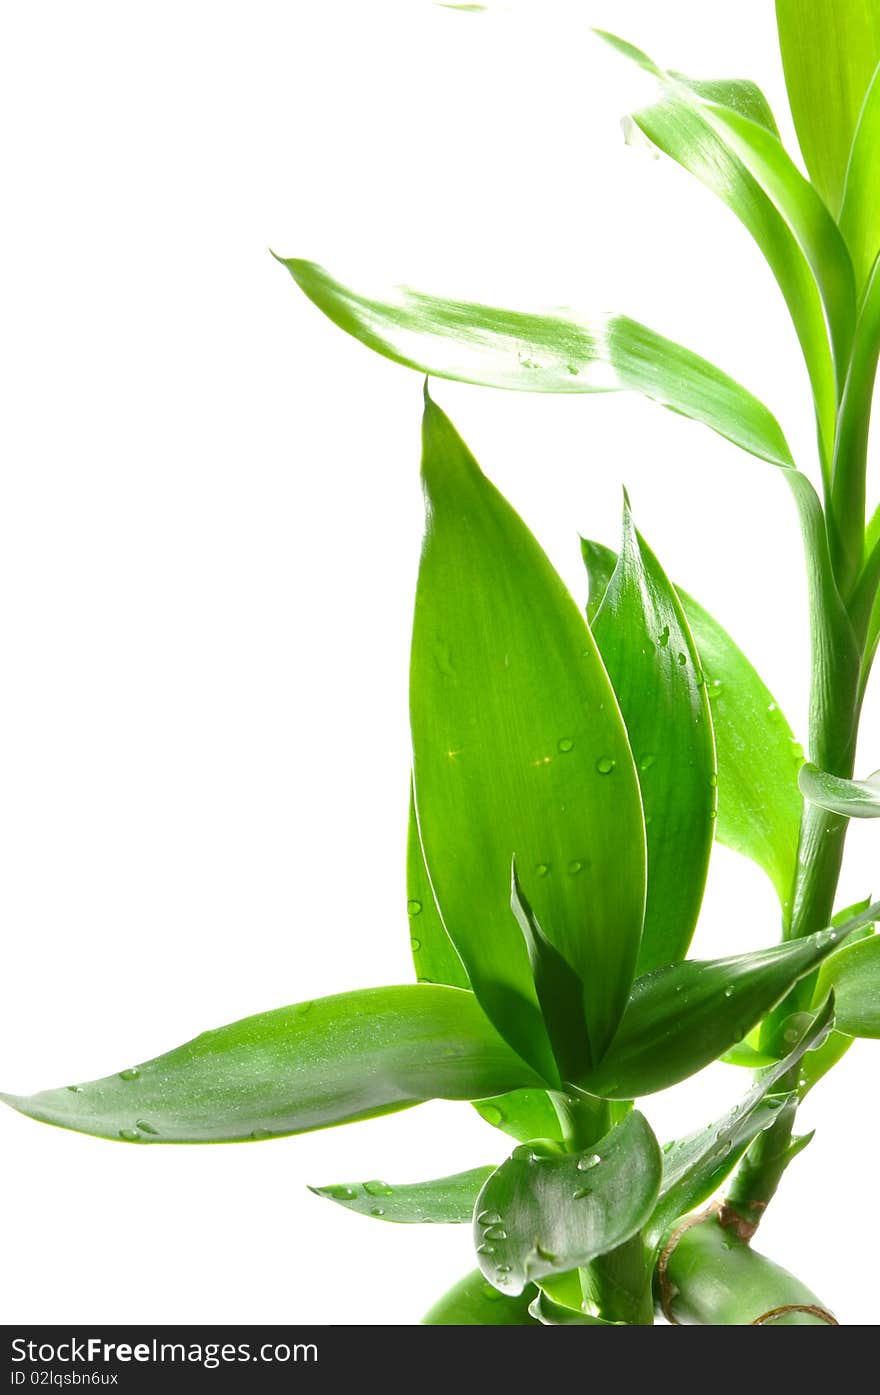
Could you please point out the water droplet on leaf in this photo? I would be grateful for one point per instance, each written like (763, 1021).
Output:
(565, 745)
(413, 908)
(605, 765)
(132, 1074)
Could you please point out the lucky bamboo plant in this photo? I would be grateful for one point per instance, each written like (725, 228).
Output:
(571, 772)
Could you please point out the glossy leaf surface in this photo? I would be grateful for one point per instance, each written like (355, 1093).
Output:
(557, 351)
(519, 751)
(860, 214)
(448, 1200)
(560, 991)
(681, 1018)
(853, 799)
(551, 1313)
(652, 661)
(830, 49)
(694, 1167)
(474, 1303)
(545, 1212)
(332, 1061)
(523, 1114)
(434, 955)
(758, 758)
(854, 976)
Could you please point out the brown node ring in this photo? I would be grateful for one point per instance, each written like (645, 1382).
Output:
(828, 1318)
(666, 1294)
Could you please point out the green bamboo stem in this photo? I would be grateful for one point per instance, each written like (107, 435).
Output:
(707, 1276)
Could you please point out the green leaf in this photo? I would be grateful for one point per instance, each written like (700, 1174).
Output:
(852, 799)
(560, 991)
(853, 974)
(448, 1200)
(759, 806)
(523, 1114)
(331, 1061)
(694, 1167)
(830, 50)
(546, 1212)
(556, 351)
(860, 214)
(652, 661)
(553, 1314)
(519, 750)
(434, 954)
(474, 1303)
(746, 166)
(682, 1017)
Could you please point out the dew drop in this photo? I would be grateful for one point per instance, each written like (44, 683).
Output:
(575, 866)
(377, 1188)
(415, 945)
(305, 1008)
(587, 1161)
(573, 370)
(581, 1193)
(682, 659)
(146, 1127)
(495, 1232)
(713, 814)
(488, 1218)
(647, 761)
(545, 1254)
(502, 1268)
(525, 1152)
(713, 781)
(342, 1193)
(663, 637)
(771, 706)
(565, 745)
(132, 1074)
(377, 1211)
(492, 1114)
(728, 992)
(605, 765)
(485, 1249)
(542, 869)
(129, 1135)
(75, 1089)
(257, 1134)
(413, 908)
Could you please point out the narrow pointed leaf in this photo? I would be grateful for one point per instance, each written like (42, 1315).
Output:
(830, 49)
(759, 806)
(447, 1200)
(860, 214)
(560, 991)
(652, 661)
(519, 750)
(694, 1167)
(556, 351)
(474, 1303)
(332, 1061)
(434, 955)
(746, 166)
(545, 1213)
(853, 974)
(681, 1018)
(853, 799)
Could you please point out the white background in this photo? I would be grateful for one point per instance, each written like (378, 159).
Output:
(209, 529)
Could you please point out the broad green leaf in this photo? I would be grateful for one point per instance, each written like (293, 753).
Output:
(652, 661)
(546, 1212)
(852, 799)
(560, 992)
(860, 214)
(759, 806)
(474, 1303)
(830, 50)
(682, 1017)
(694, 1167)
(854, 976)
(746, 166)
(519, 751)
(331, 1061)
(523, 1114)
(551, 1313)
(434, 955)
(556, 351)
(448, 1200)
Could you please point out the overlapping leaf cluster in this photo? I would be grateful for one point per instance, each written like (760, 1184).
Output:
(573, 766)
